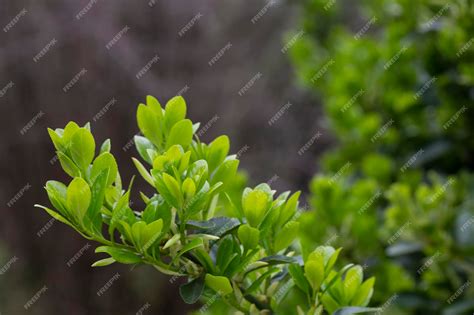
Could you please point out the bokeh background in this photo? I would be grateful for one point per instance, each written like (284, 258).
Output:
(32, 85)
(364, 106)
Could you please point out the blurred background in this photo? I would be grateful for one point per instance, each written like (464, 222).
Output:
(101, 47)
(364, 106)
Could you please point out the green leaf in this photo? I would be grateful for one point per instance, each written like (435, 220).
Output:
(256, 284)
(298, 276)
(121, 255)
(314, 272)
(289, 209)
(97, 200)
(175, 111)
(151, 234)
(218, 150)
(255, 205)
(105, 147)
(103, 262)
(220, 226)
(219, 284)
(82, 148)
(78, 197)
(364, 293)
(191, 292)
(57, 195)
(188, 188)
(174, 189)
(286, 236)
(56, 139)
(149, 125)
(143, 171)
(224, 252)
(225, 173)
(68, 165)
(352, 281)
(279, 259)
(181, 133)
(105, 161)
(249, 236)
(143, 145)
(195, 243)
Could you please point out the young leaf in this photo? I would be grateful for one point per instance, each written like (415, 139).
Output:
(255, 205)
(175, 111)
(97, 199)
(105, 161)
(249, 236)
(314, 272)
(103, 262)
(219, 284)
(286, 236)
(143, 145)
(105, 147)
(78, 198)
(181, 133)
(82, 148)
(218, 150)
(121, 255)
(148, 122)
(143, 171)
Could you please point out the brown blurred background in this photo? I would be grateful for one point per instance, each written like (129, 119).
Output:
(45, 44)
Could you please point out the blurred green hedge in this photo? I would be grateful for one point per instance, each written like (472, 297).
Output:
(396, 79)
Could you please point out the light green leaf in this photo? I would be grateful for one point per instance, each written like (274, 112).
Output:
(286, 235)
(219, 284)
(175, 111)
(181, 133)
(249, 236)
(105, 161)
(78, 197)
(255, 205)
(218, 150)
(82, 148)
(143, 171)
(103, 262)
